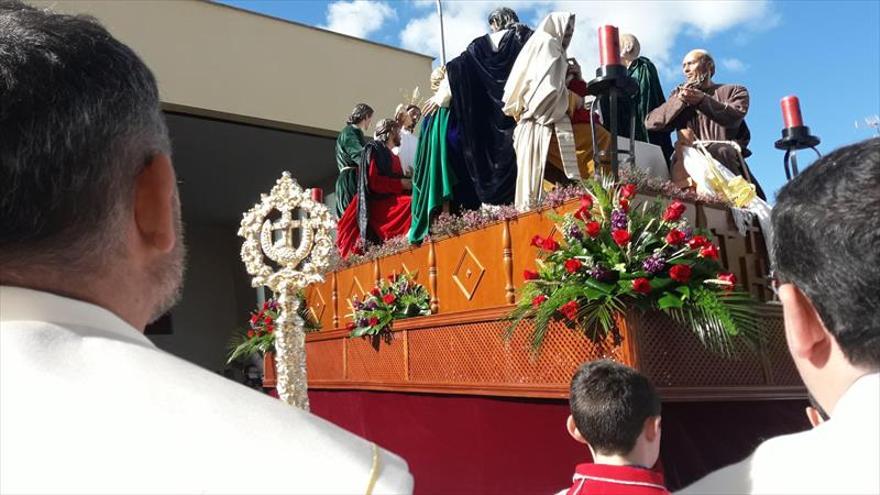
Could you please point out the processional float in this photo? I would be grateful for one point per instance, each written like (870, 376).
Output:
(287, 246)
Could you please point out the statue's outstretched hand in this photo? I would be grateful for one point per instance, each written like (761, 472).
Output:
(430, 107)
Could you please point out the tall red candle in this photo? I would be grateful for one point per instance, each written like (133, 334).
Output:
(318, 194)
(609, 45)
(791, 112)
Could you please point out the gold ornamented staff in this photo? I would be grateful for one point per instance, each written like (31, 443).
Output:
(298, 266)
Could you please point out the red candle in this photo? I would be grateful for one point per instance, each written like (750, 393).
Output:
(609, 46)
(318, 194)
(791, 112)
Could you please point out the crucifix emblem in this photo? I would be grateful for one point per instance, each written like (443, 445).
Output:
(282, 250)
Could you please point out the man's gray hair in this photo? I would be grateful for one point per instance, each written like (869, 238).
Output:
(710, 62)
(503, 18)
(79, 120)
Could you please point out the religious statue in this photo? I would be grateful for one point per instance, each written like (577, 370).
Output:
(550, 126)
(407, 116)
(473, 86)
(708, 114)
(349, 146)
(382, 208)
(649, 97)
(299, 243)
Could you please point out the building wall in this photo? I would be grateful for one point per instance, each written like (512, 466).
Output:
(216, 60)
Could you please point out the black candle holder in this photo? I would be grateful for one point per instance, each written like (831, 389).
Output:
(612, 81)
(794, 139)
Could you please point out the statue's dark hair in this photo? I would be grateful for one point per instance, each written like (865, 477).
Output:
(503, 17)
(361, 111)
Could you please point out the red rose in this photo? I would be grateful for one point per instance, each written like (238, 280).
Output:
(350, 326)
(267, 320)
(537, 241)
(572, 265)
(530, 274)
(254, 319)
(375, 291)
(675, 237)
(270, 328)
(624, 205)
(680, 273)
(250, 334)
(389, 298)
(586, 201)
(628, 191)
(550, 245)
(593, 228)
(709, 251)
(697, 241)
(392, 278)
(621, 237)
(374, 321)
(582, 214)
(729, 278)
(538, 300)
(569, 309)
(642, 285)
(674, 211)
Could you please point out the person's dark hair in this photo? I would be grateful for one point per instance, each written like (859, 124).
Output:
(610, 403)
(384, 129)
(826, 241)
(503, 18)
(79, 119)
(361, 111)
(411, 107)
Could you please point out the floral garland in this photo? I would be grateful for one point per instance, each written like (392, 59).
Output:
(451, 224)
(397, 297)
(614, 254)
(259, 337)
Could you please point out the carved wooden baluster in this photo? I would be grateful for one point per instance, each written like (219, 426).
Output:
(432, 277)
(509, 295)
(376, 275)
(334, 296)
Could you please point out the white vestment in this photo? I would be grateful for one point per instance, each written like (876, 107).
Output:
(841, 455)
(409, 143)
(90, 405)
(536, 96)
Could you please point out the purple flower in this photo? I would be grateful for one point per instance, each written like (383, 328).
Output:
(371, 305)
(618, 220)
(654, 264)
(600, 273)
(688, 233)
(362, 322)
(575, 233)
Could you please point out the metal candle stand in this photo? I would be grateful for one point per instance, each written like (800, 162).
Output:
(793, 139)
(612, 81)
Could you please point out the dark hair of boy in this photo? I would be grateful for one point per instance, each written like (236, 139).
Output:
(610, 403)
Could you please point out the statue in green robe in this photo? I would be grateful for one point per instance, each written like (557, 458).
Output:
(349, 147)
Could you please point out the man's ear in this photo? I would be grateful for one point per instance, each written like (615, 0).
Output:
(573, 430)
(154, 210)
(651, 428)
(804, 331)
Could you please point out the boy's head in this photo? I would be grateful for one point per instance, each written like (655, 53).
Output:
(616, 412)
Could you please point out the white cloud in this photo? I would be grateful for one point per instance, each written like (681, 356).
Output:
(358, 18)
(734, 64)
(657, 25)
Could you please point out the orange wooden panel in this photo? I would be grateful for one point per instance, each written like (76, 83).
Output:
(319, 299)
(355, 281)
(325, 360)
(470, 270)
(414, 261)
(522, 229)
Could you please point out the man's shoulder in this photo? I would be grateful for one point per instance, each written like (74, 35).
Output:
(730, 89)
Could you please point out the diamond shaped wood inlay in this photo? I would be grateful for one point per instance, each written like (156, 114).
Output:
(317, 305)
(467, 273)
(356, 289)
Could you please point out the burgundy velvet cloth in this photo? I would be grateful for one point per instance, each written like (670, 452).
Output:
(466, 444)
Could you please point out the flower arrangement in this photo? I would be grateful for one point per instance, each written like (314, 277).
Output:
(259, 337)
(614, 254)
(397, 297)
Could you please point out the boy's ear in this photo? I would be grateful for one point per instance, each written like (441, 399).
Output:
(651, 429)
(573, 431)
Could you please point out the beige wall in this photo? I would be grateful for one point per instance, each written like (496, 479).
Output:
(214, 58)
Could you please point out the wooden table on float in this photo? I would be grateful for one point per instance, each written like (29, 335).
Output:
(473, 279)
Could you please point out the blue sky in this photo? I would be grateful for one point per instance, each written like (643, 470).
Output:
(825, 52)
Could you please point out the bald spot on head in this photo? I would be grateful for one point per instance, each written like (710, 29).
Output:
(698, 55)
(629, 46)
